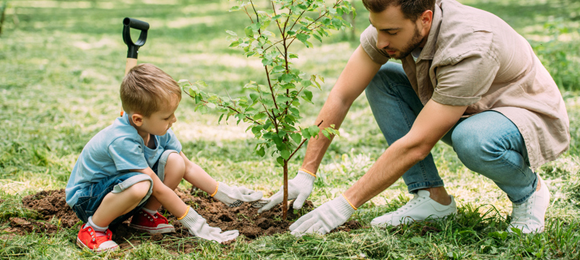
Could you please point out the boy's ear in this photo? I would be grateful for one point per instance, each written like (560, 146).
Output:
(137, 119)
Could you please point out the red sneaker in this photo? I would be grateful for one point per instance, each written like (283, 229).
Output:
(153, 224)
(96, 241)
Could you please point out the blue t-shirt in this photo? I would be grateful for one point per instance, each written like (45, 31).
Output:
(115, 150)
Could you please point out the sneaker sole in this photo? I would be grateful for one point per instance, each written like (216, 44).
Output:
(83, 246)
(161, 230)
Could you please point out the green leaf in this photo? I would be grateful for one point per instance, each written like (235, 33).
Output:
(278, 141)
(286, 78)
(305, 133)
(261, 152)
(280, 161)
(257, 130)
(294, 111)
(303, 38)
(313, 130)
(234, 44)
(251, 84)
(219, 120)
(282, 99)
(254, 97)
(249, 32)
(232, 33)
(325, 133)
(317, 37)
(308, 95)
(293, 56)
(297, 137)
(285, 154)
(259, 116)
(266, 62)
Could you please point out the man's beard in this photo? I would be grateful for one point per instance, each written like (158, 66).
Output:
(415, 42)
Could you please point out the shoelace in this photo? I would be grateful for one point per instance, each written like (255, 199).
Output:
(522, 212)
(416, 199)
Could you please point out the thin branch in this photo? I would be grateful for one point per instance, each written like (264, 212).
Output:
(271, 88)
(267, 113)
(256, 12)
(277, 22)
(294, 98)
(322, 15)
(275, 122)
(249, 16)
(301, 143)
(227, 107)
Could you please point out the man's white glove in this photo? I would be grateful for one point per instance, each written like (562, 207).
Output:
(235, 196)
(299, 188)
(197, 226)
(324, 218)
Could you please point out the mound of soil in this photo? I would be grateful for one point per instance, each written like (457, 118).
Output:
(52, 205)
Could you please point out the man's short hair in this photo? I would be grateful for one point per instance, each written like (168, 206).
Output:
(146, 88)
(412, 9)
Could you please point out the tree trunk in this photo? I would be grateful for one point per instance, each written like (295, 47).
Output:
(285, 201)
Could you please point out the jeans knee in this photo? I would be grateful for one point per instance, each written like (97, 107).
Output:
(475, 149)
(389, 75)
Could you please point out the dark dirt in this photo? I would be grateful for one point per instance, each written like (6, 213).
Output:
(51, 205)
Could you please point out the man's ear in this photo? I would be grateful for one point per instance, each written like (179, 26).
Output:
(137, 119)
(426, 19)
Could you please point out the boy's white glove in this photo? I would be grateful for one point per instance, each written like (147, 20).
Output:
(324, 218)
(299, 188)
(235, 196)
(197, 226)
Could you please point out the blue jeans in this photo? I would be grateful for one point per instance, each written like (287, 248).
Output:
(94, 194)
(487, 143)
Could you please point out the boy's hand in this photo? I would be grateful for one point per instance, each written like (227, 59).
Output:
(299, 188)
(198, 226)
(235, 196)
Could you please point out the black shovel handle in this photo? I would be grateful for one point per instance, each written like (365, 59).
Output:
(129, 23)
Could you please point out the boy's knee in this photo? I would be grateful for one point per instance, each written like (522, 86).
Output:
(176, 163)
(139, 190)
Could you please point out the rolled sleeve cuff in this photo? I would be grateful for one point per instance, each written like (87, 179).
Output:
(453, 100)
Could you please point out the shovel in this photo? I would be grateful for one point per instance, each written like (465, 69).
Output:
(133, 48)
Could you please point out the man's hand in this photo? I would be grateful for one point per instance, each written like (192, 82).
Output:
(299, 188)
(198, 226)
(324, 218)
(235, 196)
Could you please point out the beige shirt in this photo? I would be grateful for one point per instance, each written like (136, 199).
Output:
(473, 58)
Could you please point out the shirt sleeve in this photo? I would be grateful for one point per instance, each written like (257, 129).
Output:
(127, 154)
(170, 141)
(368, 41)
(464, 82)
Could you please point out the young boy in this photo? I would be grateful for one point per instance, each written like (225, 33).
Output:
(132, 167)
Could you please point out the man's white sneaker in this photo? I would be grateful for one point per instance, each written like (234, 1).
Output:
(529, 216)
(419, 208)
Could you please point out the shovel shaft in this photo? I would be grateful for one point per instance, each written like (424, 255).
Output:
(130, 64)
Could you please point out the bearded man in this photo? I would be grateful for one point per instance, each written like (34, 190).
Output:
(468, 79)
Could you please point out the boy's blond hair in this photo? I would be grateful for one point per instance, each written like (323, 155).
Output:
(146, 88)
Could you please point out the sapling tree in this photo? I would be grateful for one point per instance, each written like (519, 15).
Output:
(272, 108)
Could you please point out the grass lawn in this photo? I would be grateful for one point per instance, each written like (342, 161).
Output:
(61, 63)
